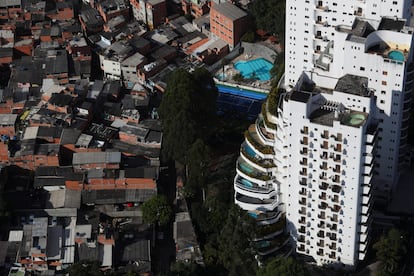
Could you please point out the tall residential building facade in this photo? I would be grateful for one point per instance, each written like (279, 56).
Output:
(334, 38)
(337, 135)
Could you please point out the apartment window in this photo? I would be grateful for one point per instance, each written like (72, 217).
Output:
(384, 82)
(384, 73)
(383, 92)
(362, 68)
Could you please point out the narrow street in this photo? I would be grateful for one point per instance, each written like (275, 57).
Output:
(164, 246)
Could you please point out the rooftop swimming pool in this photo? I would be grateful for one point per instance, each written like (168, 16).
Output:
(354, 119)
(396, 55)
(259, 68)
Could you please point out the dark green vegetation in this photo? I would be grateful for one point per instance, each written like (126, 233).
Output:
(270, 16)
(391, 250)
(156, 210)
(283, 266)
(207, 147)
(188, 111)
(85, 268)
(235, 251)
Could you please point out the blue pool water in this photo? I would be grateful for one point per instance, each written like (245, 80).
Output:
(247, 183)
(246, 168)
(396, 55)
(263, 244)
(249, 151)
(241, 92)
(260, 67)
(253, 215)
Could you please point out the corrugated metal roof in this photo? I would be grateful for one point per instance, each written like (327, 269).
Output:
(9, 3)
(81, 158)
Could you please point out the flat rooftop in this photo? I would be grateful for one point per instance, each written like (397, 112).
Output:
(229, 10)
(352, 84)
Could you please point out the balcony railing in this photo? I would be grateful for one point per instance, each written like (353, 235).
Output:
(257, 145)
(253, 187)
(264, 163)
(268, 229)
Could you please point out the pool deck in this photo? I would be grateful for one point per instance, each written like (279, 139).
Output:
(230, 71)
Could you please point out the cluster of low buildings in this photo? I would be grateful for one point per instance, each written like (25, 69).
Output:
(80, 135)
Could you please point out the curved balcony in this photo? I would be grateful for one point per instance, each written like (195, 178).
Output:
(268, 231)
(262, 151)
(250, 189)
(272, 118)
(269, 246)
(270, 126)
(249, 172)
(251, 203)
(263, 218)
(250, 156)
(266, 137)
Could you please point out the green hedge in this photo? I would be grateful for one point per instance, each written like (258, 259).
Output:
(266, 120)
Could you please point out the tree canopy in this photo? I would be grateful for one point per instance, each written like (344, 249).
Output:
(198, 159)
(391, 249)
(235, 251)
(157, 210)
(270, 16)
(188, 111)
(283, 267)
(85, 268)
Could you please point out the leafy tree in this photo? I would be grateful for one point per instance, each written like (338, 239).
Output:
(283, 267)
(270, 16)
(198, 158)
(235, 251)
(278, 68)
(391, 249)
(175, 111)
(204, 102)
(187, 269)
(156, 210)
(188, 111)
(85, 268)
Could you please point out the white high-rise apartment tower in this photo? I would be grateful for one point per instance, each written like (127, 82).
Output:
(309, 165)
(321, 40)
